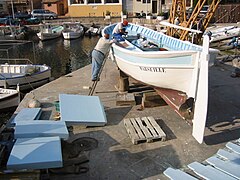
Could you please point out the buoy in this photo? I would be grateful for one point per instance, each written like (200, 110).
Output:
(33, 103)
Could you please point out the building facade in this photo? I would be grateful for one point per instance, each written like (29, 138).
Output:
(94, 8)
(60, 7)
(3, 7)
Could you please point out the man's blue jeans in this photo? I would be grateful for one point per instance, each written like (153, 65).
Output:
(97, 60)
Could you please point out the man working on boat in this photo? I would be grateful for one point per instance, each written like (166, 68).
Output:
(120, 30)
(98, 55)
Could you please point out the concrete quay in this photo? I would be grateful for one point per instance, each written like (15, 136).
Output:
(116, 157)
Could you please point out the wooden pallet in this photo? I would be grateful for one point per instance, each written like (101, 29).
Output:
(144, 129)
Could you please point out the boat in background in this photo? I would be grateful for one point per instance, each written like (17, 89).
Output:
(26, 75)
(49, 31)
(223, 33)
(9, 98)
(94, 30)
(72, 30)
(10, 32)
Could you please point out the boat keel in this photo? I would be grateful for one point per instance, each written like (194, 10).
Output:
(178, 101)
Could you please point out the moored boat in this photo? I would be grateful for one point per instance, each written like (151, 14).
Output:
(223, 33)
(27, 76)
(9, 98)
(49, 31)
(72, 30)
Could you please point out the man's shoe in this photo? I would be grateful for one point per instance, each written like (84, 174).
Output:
(96, 79)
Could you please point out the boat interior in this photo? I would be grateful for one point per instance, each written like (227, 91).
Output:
(8, 71)
(137, 43)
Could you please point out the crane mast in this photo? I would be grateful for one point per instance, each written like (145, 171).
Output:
(178, 12)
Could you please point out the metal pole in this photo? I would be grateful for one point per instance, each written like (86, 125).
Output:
(12, 10)
(32, 4)
(147, 7)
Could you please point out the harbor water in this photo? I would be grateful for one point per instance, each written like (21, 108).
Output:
(57, 53)
(63, 56)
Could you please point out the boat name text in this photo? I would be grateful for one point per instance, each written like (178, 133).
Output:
(152, 69)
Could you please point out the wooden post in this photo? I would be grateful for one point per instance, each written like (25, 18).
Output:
(6, 86)
(123, 83)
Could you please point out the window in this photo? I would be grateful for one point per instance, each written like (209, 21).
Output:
(112, 1)
(148, 1)
(94, 1)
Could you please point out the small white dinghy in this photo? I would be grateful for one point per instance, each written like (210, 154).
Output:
(9, 98)
(72, 30)
(49, 31)
(27, 76)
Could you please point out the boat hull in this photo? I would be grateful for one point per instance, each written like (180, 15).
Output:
(221, 34)
(176, 67)
(8, 98)
(71, 35)
(165, 70)
(49, 31)
(25, 80)
(48, 36)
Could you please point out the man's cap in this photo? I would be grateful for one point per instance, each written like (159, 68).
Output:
(125, 22)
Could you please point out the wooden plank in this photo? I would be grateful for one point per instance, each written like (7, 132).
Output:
(21, 174)
(233, 147)
(201, 104)
(157, 128)
(226, 166)
(177, 174)
(153, 132)
(208, 172)
(130, 130)
(125, 99)
(144, 129)
(231, 156)
(179, 27)
(140, 134)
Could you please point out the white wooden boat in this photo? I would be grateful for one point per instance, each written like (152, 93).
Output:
(164, 62)
(27, 76)
(72, 30)
(223, 33)
(174, 68)
(9, 98)
(49, 31)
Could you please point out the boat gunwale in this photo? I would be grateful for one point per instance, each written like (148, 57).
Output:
(168, 66)
(130, 25)
(154, 53)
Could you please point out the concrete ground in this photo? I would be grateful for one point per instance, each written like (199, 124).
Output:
(116, 157)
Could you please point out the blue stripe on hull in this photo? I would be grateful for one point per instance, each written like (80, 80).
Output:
(184, 60)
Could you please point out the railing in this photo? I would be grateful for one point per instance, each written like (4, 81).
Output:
(15, 61)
